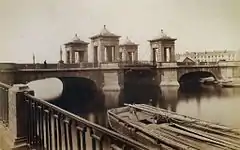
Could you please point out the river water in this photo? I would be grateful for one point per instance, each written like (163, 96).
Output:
(211, 103)
(215, 104)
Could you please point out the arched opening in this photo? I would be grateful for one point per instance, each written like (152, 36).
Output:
(194, 80)
(80, 95)
(138, 77)
(140, 86)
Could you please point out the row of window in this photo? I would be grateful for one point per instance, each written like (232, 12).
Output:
(213, 60)
(216, 56)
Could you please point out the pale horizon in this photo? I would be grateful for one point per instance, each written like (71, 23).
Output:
(41, 27)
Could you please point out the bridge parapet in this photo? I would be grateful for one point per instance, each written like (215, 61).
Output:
(186, 63)
(57, 66)
(229, 63)
(170, 64)
(137, 64)
(35, 66)
(7, 66)
(113, 65)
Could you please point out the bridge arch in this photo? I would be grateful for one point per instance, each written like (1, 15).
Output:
(77, 95)
(139, 77)
(25, 76)
(195, 76)
(79, 83)
(51, 88)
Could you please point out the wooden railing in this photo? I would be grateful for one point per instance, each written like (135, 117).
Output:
(4, 107)
(51, 127)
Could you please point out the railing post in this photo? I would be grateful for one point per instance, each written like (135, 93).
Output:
(16, 136)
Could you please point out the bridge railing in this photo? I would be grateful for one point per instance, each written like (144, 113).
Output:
(185, 63)
(136, 63)
(79, 65)
(86, 65)
(36, 66)
(4, 106)
(51, 127)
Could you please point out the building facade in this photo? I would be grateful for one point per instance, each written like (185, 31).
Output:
(209, 56)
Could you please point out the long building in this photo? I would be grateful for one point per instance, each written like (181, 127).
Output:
(209, 56)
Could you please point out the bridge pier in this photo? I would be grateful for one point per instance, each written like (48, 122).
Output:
(231, 71)
(170, 96)
(15, 138)
(111, 81)
(110, 77)
(169, 75)
(111, 99)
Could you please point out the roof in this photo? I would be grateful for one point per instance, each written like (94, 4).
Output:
(104, 33)
(185, 59)
(163, 36)
(128, 42)
(76, 40)
(188, 59)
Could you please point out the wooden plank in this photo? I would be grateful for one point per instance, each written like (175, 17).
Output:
(205, 137)
(161, 139)
(172, 115)
(183, 133)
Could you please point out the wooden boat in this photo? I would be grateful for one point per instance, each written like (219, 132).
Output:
(207, 81)
(226, 83)
(161, 129)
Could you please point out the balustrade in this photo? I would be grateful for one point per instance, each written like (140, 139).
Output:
(51, 127)
(4, 103)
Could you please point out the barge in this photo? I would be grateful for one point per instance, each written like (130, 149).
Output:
(161, 129)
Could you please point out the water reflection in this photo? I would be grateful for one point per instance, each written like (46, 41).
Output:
(210, 103)
(220, 105)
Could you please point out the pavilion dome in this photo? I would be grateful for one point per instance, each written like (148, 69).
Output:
(163, 36)
(127, 41)
(105, 33)
(76, 40)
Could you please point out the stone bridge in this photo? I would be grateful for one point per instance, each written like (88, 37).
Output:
(105, 76)
(114, 77)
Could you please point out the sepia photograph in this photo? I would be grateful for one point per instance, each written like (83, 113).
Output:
(119, 74)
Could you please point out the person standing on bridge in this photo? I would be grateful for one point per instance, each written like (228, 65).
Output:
(45, 64)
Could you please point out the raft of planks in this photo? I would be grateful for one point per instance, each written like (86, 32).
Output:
(161, 129)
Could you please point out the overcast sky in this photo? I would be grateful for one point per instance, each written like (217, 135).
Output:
(41, 26)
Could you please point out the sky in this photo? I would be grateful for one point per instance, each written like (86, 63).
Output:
(42, 26)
